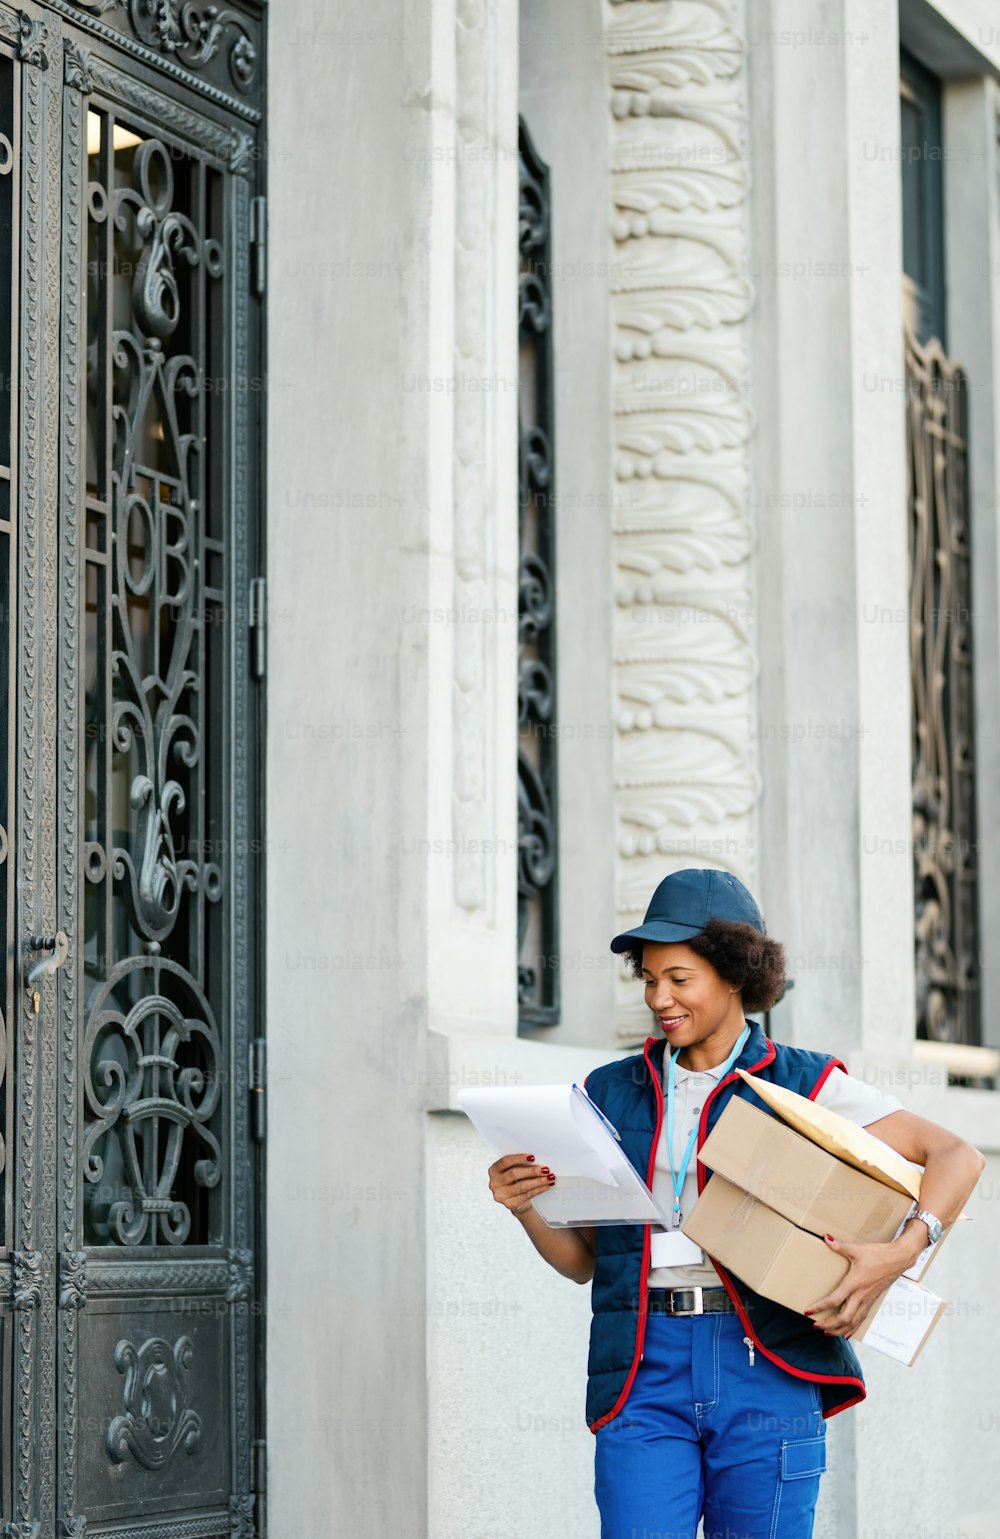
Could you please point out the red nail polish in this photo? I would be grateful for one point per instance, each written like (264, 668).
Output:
(829, 1237)
(545, 1169)
(529, 1157)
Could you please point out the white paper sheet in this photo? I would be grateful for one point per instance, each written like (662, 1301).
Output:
(563, 1129)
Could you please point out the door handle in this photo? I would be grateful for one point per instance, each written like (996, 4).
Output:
(57, 946)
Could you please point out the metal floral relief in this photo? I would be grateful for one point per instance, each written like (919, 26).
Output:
(157, 1420)
(26, 1290)
(154, 618)
(190, 33)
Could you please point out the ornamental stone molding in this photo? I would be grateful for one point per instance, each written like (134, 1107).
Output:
(684, 662)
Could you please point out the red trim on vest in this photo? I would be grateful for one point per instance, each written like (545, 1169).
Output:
(768, 1057)
(798, 1373)
(640, 1331)
(834, 1063)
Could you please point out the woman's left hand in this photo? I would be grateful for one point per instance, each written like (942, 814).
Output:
(873, 1268)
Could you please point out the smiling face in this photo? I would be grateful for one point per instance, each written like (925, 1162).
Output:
(697, 1010)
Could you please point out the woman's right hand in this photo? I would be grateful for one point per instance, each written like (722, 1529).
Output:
(514, 1180)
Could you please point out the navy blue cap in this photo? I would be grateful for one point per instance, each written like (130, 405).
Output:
(685, 901)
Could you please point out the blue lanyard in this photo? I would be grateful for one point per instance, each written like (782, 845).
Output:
(677, 1176)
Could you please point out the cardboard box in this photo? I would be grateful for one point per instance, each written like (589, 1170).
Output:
(899, 1323)
(767, 1251)
(777, 1185)
(799, 1179)
(839, 1136)
(856, 1147)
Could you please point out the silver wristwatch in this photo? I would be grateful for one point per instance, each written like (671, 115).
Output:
(935, 1228)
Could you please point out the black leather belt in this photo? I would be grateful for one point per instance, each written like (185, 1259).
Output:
(690, 1301)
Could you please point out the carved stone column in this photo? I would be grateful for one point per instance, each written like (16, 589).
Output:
(685, 759)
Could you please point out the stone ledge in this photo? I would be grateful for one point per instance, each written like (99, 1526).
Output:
(465, 1061)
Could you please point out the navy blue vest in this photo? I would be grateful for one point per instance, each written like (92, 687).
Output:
(630, 1092)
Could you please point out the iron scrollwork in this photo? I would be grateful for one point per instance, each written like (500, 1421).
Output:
(153, 1054)
(944, 814)
(537, 824)
(151, 1090)
(156, 726)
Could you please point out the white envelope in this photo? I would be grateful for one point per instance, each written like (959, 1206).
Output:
(903, 1321)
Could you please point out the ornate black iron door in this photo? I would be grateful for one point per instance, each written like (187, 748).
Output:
(130, 1313)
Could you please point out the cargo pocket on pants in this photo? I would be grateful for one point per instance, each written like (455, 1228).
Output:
(802, 1463)
(802, 1457)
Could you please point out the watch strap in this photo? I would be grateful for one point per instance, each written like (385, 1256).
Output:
(935, 1227)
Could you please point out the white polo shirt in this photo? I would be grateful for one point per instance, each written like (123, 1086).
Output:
(851, 1098)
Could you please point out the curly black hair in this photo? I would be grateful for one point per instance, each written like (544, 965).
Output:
(754, 963)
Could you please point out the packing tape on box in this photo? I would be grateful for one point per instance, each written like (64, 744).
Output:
(740, 1216)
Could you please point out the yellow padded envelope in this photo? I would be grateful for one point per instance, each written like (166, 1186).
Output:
(853, 1144)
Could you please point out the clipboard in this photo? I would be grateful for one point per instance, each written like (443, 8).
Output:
(595, 1181)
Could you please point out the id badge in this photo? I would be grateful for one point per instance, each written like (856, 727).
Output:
(672, 1247)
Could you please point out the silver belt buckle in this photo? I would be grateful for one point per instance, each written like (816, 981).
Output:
(699, 1306)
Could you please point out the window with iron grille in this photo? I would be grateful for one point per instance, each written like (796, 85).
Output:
(537, 793)
(940, 614)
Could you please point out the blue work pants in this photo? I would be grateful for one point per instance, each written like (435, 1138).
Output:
(706, 1433)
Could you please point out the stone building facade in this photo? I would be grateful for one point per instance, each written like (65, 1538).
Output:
(735, 640)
